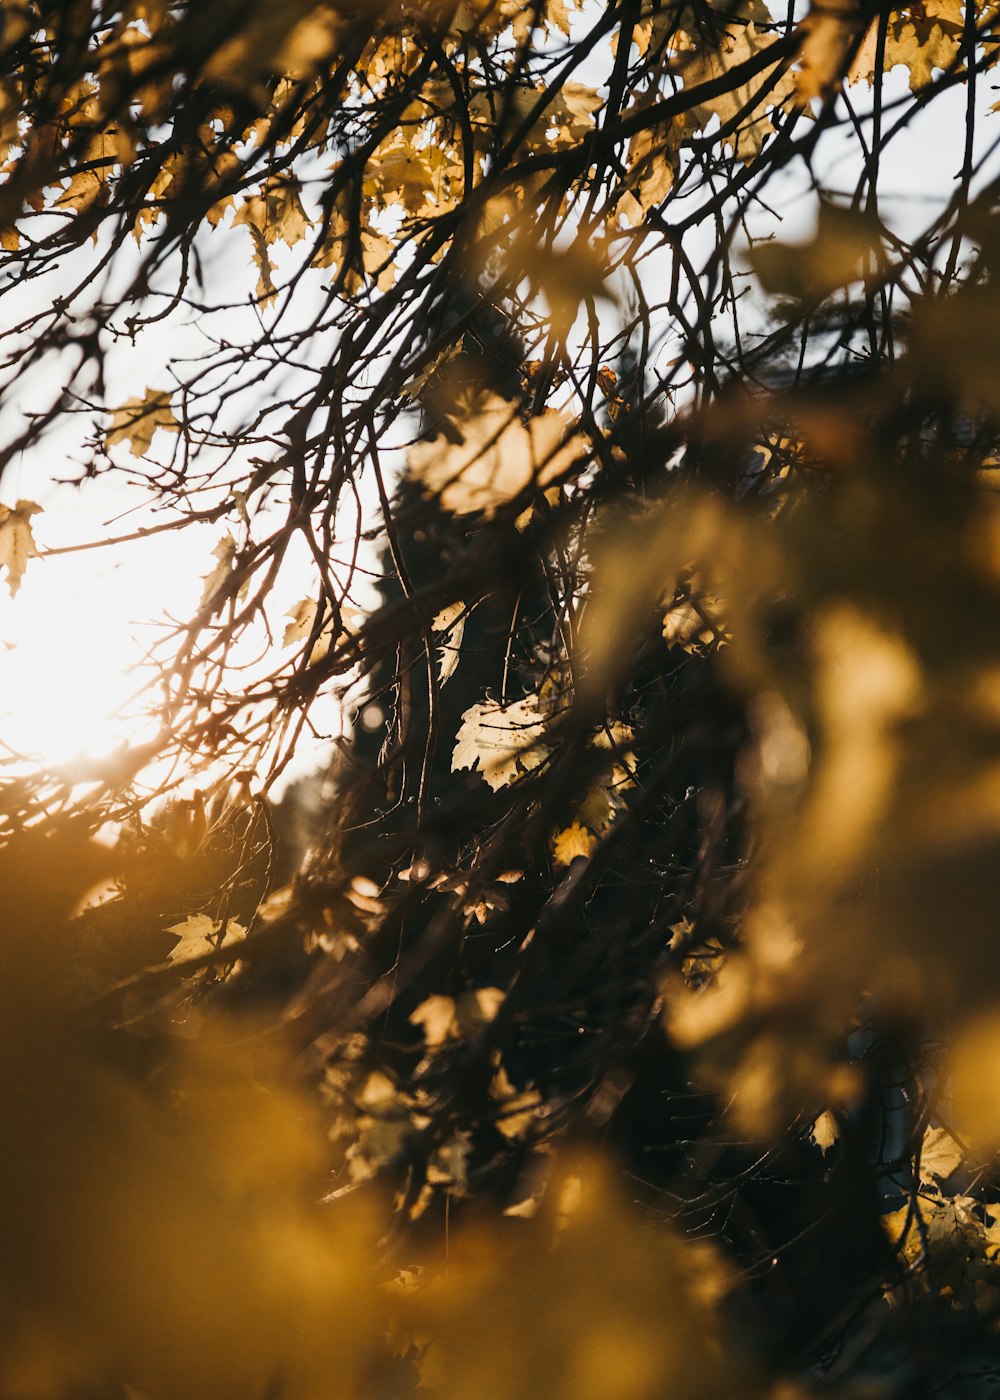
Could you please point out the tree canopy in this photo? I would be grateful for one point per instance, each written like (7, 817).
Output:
(618, 1015)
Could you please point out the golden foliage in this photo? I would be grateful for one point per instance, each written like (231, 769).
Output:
(737, 804)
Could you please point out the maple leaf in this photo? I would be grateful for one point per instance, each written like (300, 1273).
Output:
(569, 278)
(737, 46)
(303, 620)
(276, 213)
(266, 291)
(572, 113)
(302, 615)
(17, 543)
(138, 419)
(376, 259)
(693, 621)
(843, 249)
(436, 1017)
(571, 844)
(198, 936)
(450, 626)
(557, 16)
(827, 33)
(224, 553)
(683, 625)
(426, 378)
(498, 456)
(652, 167)
(920, 37)
(503, 740)
(940, 1154)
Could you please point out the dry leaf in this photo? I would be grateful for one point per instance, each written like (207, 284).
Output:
(17, 543)
(497, 457)
(940, 1154)
(138, 419)
(276, 213)
(825, 1132)
(569, 845)
(449, 624)
(738, 46)
(477, 1008)
(224, 552)
(502, 740)
(198, 936)
(517, 1109)
(436, 1017)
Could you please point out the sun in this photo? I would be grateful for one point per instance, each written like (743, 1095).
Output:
(76, 638)
(70, 657)
(84, 642)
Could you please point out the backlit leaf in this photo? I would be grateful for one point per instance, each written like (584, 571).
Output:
(138, 419)
(502, 741)
(17, 543)
(497, 456)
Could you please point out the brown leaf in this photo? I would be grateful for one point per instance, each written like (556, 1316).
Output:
(138, 419)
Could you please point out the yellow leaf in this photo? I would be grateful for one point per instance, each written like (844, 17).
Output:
(940, 1154)
(303, 619)
(557, 16)
(737, 46)
(137, 420)
(517, 1109)
(17, 543)
(198, 936)
(376, 258)
(824, 1132)
(224, 553)
(414, 388)
(572, 112)
(843, 249)
(569, 278)
(311, 43)
(449, 624)
(276, 213)
(693, 620)
(653, 159)
(436, 1017)
(497, 457)
(827, 31)
(303, 615)
(920, 37)
(266, 291)
(569, 845)
(503, 740)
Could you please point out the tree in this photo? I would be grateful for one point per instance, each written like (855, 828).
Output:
(654, 565)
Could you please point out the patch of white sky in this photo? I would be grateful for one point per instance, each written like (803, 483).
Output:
(83, 643)
(73, 683)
